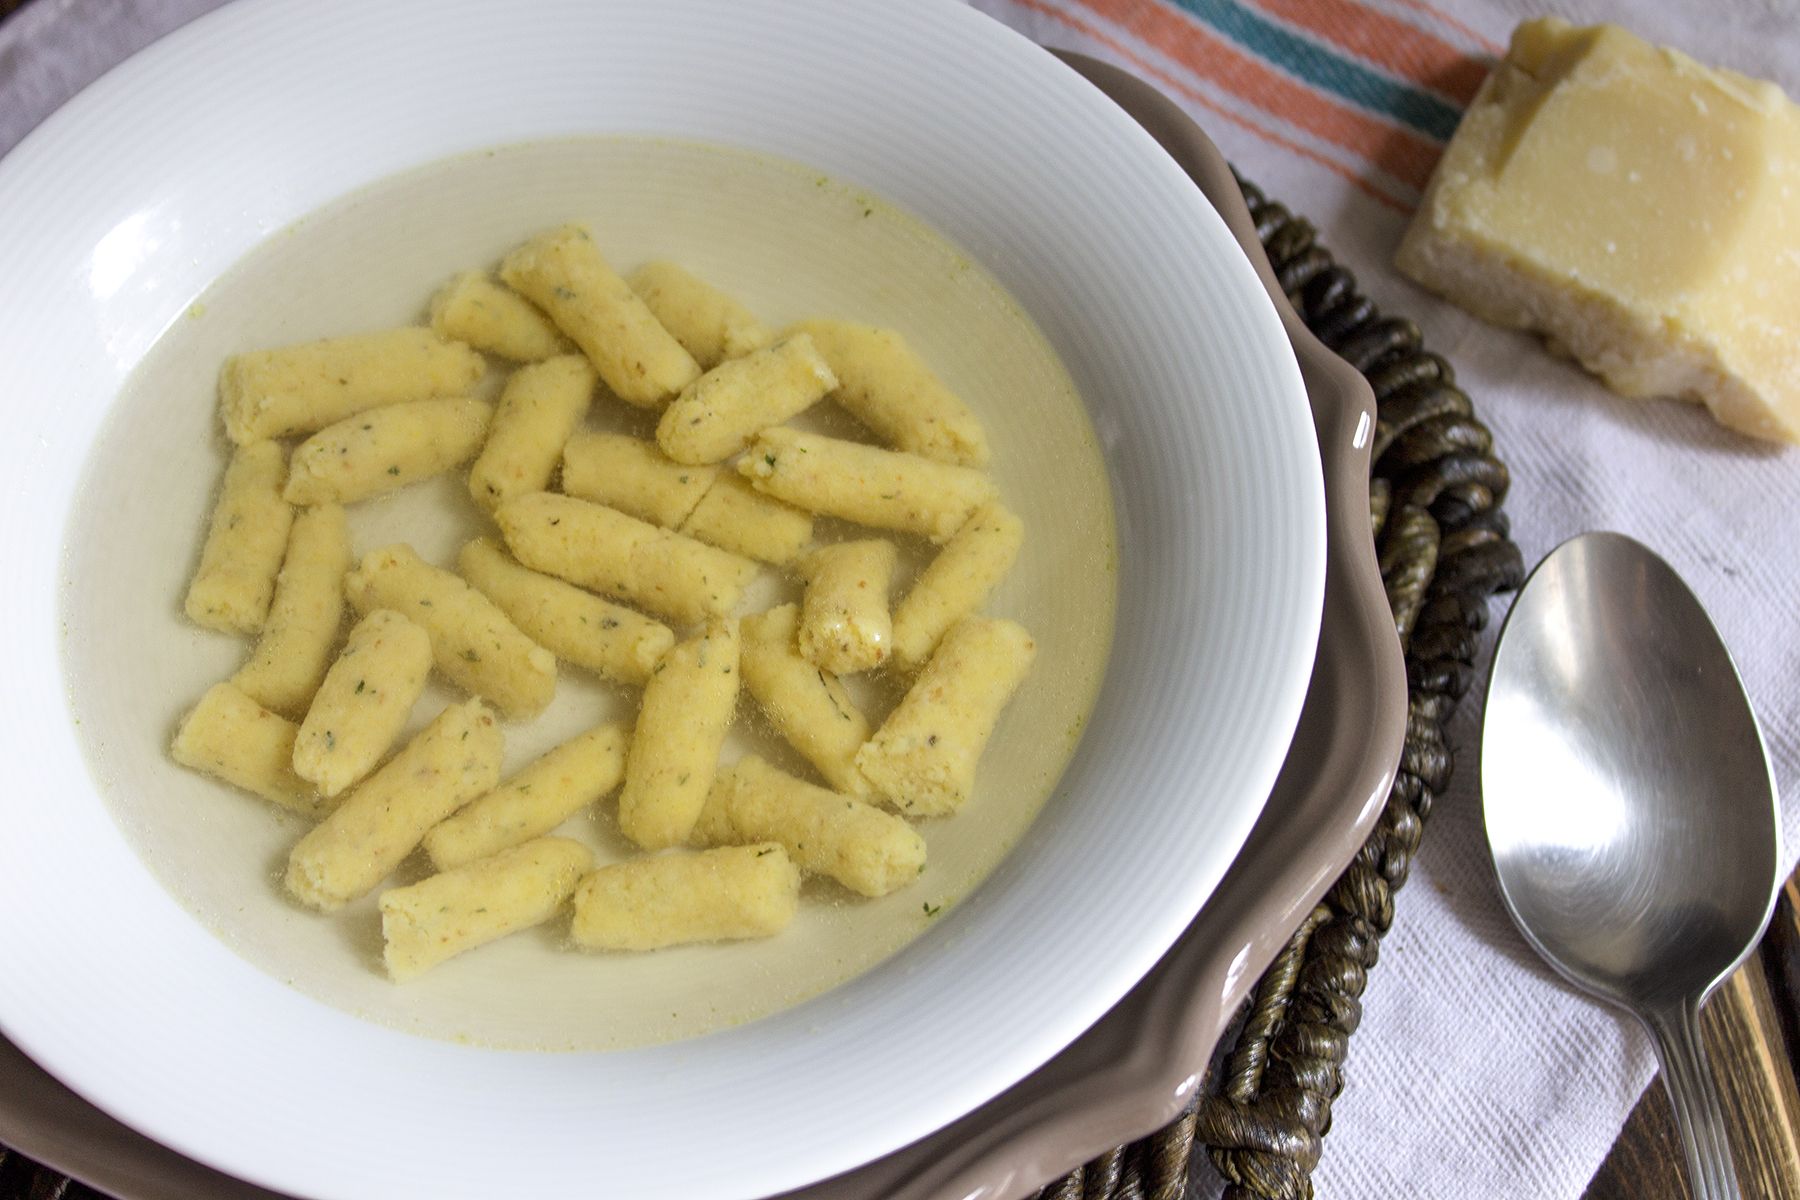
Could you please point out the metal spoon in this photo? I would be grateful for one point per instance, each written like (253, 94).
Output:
(1630, 805)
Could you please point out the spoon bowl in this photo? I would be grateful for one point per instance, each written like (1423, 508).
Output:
(1630, 804)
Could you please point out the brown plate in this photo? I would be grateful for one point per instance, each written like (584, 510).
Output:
(1133, 1070)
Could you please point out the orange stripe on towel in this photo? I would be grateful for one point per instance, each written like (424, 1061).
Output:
(1402, 50)
(1151, 71)
(1481, 39)
(1400, 152)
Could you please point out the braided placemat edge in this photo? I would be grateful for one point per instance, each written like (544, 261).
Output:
(1435, 497)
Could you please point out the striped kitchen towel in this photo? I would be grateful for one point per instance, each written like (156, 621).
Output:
(1475, 1072)
(1365, 90)
(1368, 90)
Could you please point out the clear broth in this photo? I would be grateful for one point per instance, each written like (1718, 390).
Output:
(787, 242)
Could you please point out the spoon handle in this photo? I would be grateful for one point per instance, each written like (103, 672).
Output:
(1695, 1097)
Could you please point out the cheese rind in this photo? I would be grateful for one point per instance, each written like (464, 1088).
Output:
(1639, 209)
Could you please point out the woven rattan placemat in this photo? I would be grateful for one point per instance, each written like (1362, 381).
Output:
(1435, 500)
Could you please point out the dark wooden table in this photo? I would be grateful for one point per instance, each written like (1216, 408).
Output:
(1752, 1028)
(1752, 1031)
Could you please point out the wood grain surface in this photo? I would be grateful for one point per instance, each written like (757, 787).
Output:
(1749, 1027)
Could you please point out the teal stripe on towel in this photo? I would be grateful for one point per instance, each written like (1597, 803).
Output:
(1325, 69)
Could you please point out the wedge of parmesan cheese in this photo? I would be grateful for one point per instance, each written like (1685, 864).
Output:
(1639, 209)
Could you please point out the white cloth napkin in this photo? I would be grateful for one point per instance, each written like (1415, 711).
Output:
(1475, 1073)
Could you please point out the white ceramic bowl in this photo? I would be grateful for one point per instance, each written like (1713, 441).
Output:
(130, 202)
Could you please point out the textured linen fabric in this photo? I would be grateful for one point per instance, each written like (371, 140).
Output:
(1476, 1072)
